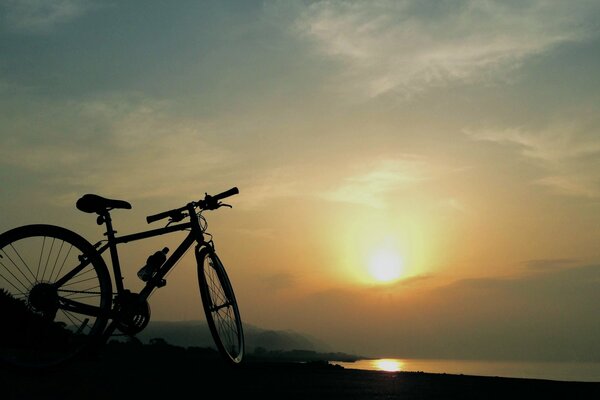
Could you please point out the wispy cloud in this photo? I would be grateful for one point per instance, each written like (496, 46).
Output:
(567, 152)
(279, 281)
(41, 16)
(408, 46)
(136, 146)
(124, 146)
(558, 142)
(573, 185)
(525, 311)
(371, 187)
(550, 263)
(261, 187)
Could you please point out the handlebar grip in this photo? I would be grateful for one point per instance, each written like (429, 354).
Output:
(227, 193)
(165, 214)
(156, 217)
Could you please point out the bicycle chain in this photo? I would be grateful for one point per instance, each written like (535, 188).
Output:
(78, 291)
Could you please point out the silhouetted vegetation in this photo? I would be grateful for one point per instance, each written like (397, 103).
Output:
(158, 349)
(133, 347)
(24, 328)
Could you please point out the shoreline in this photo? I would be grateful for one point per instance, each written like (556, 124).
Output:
(169, 371)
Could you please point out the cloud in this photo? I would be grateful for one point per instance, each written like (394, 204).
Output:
(409, 46)
(42, 16)
(566, 150)
(138, 147)
(279, 281)
(276, 182)
(572, 185)
(370, 187)
(560, 141)
(547, 316)
(412, 281)
(116, 145)
(550, 263)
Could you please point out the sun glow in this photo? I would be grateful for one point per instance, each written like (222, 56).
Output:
(387, 364)
(385, 265)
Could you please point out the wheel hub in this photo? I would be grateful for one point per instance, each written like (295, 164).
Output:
(43, 298)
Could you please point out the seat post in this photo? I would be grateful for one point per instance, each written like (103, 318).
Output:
(105, 219)
(114, 256)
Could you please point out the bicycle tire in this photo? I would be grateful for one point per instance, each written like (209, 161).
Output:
(45, 325)
(220, 306)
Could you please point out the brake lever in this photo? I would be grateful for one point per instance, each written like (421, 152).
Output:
(177, 217)
(208, 203)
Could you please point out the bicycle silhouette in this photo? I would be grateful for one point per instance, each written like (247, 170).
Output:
(57, 292)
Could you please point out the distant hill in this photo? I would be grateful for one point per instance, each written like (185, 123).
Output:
(196, 333)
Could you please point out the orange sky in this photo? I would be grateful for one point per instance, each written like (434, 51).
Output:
(460, 140)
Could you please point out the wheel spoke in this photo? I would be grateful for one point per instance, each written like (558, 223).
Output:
(51, 320)
(16, 266)
(80, 325)
(13, 275)
(20, 258)
(63, 263)
(56, 259)
(48, 258)
(71, 283)
(37, 272)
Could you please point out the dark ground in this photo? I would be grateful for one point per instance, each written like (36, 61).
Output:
(163, 371)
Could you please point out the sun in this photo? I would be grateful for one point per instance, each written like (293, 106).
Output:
(385, 265)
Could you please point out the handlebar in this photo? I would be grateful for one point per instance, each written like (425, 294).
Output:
(208, 203)
(225, 194)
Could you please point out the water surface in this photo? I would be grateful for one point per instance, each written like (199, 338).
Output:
(562, 371)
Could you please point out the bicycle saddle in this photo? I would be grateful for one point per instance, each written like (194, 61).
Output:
(92, 203)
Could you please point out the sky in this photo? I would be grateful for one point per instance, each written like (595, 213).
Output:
(417, 178)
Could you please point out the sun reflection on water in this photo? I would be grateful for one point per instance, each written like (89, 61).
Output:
(387, 364)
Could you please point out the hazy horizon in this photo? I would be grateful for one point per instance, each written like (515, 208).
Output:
(417, 178)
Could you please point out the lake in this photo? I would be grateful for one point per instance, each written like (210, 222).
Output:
(562, 371)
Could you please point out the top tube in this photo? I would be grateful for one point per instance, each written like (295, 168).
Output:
(144, 235)
(153, 232)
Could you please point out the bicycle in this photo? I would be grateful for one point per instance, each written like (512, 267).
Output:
(57, 296)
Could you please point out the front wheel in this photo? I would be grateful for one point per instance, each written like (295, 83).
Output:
(220, 306)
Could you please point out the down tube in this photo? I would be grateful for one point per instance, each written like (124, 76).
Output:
(170, 263)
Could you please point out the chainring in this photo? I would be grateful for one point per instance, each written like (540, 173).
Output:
(134, 313)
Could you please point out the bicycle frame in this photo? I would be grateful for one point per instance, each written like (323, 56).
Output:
(195, 235)
(93, 302)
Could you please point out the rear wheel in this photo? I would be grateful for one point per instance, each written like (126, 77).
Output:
(220, 306)
(55, 295)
